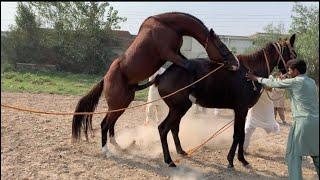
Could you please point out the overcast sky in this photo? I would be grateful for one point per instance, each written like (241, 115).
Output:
(227, 18)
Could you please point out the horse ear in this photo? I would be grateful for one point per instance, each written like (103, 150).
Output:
(292, 39)
(211, 32)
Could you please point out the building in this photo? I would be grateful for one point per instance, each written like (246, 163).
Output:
(191, 48)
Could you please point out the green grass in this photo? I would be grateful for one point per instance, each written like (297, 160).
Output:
(53, 83)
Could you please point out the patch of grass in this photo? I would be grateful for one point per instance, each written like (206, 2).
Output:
(54, 83)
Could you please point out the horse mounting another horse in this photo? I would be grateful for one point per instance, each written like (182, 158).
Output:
(159, 40)
(223, 89)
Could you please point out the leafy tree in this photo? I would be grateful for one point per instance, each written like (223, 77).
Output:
(234, 50)
(77, 37)
(82, 33)
(271, 33)
(305, 22)
(22, 44)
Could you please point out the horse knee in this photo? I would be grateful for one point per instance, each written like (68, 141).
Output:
(162, 131)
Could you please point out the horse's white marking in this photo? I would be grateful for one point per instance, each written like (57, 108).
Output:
(192, 99)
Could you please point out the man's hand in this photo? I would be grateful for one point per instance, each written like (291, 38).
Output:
(284, 76)
(252, 77)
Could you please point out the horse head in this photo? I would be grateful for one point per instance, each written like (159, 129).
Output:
(286, 52)
(217, 50)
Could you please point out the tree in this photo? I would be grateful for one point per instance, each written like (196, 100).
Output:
(271, 33)
(22, 44)
(234, 50)
(305, 23)
(81, 33)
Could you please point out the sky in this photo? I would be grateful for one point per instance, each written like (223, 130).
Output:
(226, 18)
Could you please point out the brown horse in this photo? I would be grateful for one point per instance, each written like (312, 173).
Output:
(159, 40)
(223, 89)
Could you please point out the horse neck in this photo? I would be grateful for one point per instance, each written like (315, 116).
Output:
(185, 24)
(256, 61)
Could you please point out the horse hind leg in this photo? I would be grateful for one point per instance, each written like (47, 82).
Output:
(104, 131)
(113, 121)
(107, 125)
(111, 118)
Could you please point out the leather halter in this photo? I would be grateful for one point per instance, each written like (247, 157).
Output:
(279, 51)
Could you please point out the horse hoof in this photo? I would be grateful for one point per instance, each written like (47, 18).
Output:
(106, 152)
(183, 153)
(248, 166)
(230, 166)
(172, 165)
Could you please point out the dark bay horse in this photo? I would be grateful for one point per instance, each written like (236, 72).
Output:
(159, 40)
(222, 89)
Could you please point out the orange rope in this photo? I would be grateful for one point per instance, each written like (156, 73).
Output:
(116, 110)
(191, 151)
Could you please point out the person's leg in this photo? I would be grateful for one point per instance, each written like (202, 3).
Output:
(149, 112)
(196, 110)
(316, 163)
(216, 111)
(294, 167)
(281, 114)
(157, 112)
(204, 110)
(248, 133)
(275, 113)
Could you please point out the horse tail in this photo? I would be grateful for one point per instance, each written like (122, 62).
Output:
(143, 86)
(87, 103)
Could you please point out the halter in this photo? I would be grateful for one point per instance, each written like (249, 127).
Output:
(277, 47)
(279, 50)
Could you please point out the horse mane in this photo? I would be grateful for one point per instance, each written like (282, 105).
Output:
(177, 13)
(189, 15)
(256, 59)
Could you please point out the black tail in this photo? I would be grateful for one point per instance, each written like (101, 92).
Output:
(143, 86)
(88, 103)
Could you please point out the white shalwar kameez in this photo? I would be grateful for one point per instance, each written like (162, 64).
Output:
(154, 109)
(260, 115)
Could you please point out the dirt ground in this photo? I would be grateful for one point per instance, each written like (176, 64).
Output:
(37, 146)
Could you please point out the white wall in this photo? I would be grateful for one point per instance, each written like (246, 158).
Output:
(191, 48)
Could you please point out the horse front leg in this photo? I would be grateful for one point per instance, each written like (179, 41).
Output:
(232, 150)
(241, 130)
(181, 61)
(176, 123)
(238, 138)
(164, 128)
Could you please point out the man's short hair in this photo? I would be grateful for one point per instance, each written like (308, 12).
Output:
(298, 64)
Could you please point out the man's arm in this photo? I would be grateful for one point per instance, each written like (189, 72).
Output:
(274, 83)
(277, 83)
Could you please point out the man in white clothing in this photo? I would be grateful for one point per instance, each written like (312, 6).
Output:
(153, 110)
(260, 115)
